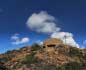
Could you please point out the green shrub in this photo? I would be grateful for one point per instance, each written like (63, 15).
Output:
(35, 47)
(7, 58)
(83, 66)
(74, 52)
(49, 67)
(72, 66)
(46, 66)
(30, 59)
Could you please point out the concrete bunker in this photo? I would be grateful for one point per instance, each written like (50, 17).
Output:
(51, 44)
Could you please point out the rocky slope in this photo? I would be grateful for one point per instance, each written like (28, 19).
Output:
(36, 58)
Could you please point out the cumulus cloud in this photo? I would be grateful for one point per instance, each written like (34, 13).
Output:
(66, 37)
(42, 22)
(16, 40)
(45, 23)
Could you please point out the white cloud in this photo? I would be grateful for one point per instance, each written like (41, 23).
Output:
(24, 40)
(16, 40)
(42, 22)
(84, 45)
(45, 23)
(66, 37)
(15, 37)
(39, 42)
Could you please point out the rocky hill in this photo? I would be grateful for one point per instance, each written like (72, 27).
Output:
(35, 57)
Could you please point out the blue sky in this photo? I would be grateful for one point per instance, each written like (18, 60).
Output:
(70, 14)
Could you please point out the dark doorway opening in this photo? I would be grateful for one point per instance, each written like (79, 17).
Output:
(51, 45)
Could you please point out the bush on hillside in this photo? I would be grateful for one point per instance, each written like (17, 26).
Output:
(30, 59)
(49, 67)
(74, 52)
(72, 66)
(83, 65)
(7, 58)
(35, 47)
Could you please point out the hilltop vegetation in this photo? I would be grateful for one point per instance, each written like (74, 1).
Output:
(35, 58)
